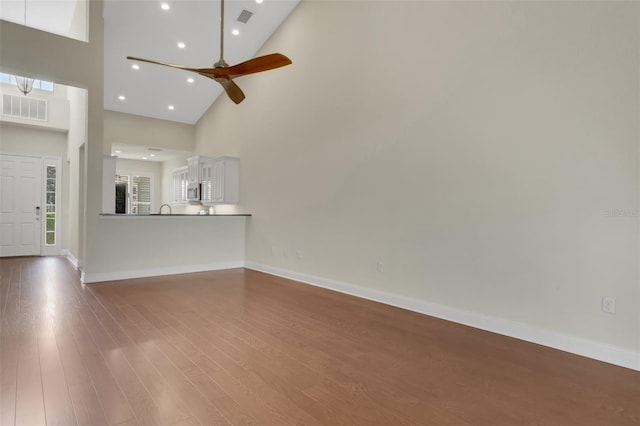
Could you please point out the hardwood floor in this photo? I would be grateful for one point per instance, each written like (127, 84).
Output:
(242, 347)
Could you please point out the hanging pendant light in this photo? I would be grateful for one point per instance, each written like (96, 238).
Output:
(24, 84)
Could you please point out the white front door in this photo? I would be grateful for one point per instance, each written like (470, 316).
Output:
(20, 205)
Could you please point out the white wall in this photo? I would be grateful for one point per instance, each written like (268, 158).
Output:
(77, 136)
(134, 247)
(474, 148)
(137, 130)
(19, 139)
(79, 23)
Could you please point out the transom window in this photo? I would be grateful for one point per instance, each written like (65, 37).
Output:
(37, 84)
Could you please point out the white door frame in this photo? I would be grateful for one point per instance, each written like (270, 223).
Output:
(55, 249)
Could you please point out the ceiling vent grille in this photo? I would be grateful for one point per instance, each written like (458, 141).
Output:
(23, 107)
(245, 15)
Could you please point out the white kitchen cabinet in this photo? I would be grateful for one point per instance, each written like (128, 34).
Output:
(206, 179)
(180, 182)
(220, 178)
(194, 165)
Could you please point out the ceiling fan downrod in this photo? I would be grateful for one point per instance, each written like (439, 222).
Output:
(221, 62)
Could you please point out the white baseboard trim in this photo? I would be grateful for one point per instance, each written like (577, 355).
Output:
(565, 342)
(90, 277)
(70, 257)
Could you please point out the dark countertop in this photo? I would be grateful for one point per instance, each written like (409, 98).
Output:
(174, 215)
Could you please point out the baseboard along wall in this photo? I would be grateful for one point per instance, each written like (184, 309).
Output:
(88, 278)
(565, 342)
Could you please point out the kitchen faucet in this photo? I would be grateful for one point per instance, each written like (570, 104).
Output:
(160, 211)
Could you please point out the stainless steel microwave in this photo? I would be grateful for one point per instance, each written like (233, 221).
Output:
(194, 191)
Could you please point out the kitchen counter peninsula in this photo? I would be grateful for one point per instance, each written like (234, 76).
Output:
(109, 215)
(135, 246)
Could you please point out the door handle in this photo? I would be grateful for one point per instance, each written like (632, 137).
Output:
(38, 211)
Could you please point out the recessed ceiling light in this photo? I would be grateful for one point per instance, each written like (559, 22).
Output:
(122, 97)
(152, 155)
(235, 32)
(144, 158)
(165, 6)
(190, 80)
(181, 45)
(135, 66)
(259, 1)
(118, 151)
(171, 107)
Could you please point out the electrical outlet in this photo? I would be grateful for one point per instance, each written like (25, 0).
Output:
(609, 305)
(273, 250)
(299, 254)
(380, 267)
(285, 252)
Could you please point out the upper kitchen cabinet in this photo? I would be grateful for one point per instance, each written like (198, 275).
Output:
(180, 181)
(194, 166)
(220, 178)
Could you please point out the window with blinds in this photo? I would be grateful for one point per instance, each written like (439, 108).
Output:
(138, 192)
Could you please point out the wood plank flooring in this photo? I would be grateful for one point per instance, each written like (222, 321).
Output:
(239, 347)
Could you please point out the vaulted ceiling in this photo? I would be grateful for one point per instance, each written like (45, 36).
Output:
(145, 29)
(153, 29)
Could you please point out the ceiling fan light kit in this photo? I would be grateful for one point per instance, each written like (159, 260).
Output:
(223, 73)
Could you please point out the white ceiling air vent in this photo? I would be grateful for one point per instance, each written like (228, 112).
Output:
(155, 149)
(24, 107)
(245, 15)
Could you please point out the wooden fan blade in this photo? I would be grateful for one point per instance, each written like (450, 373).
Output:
(166, 64)
(233, 91)
(259, 64)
